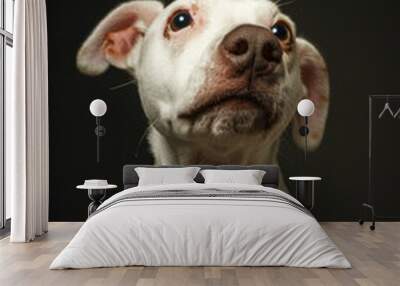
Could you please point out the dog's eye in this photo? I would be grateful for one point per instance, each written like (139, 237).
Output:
(281, 31)
(181, 20)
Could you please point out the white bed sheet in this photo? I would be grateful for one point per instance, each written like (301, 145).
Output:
(201, 232)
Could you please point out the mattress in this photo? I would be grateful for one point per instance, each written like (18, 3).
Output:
(201, 225)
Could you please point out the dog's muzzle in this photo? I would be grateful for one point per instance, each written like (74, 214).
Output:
(242, 92)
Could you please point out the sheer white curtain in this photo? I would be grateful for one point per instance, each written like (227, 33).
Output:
(27, 124)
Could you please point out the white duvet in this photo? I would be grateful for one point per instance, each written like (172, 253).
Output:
(200, 232)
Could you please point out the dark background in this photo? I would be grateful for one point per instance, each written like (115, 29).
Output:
(360, 43)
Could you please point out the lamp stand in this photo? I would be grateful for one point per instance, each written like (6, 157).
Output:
(306, 139)
(304, 131)
(100, 131)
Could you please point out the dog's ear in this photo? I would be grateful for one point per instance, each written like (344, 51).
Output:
(118, 36)
(315, 78)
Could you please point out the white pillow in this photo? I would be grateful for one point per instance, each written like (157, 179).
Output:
(242, 177)
(166, 176)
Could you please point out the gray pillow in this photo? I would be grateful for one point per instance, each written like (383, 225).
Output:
(166, 176)
(242, 177)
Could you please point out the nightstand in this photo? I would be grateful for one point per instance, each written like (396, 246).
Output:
(305, 190)
(96, 194)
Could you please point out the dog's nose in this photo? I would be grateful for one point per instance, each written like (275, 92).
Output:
(252, 47)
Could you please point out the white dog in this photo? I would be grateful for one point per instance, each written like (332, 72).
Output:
(219, 80)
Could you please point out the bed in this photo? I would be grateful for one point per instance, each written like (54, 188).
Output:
(198, 224)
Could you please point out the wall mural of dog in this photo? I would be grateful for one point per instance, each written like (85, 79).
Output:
(219, 80)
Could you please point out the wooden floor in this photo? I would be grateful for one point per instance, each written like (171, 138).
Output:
(375, 257)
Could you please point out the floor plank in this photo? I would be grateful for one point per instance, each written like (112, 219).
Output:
(375, 257)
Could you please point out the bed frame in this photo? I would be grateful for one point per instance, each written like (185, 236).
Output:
(271, 178)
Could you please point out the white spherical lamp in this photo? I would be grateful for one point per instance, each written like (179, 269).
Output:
(98, 108)
(306, 108)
